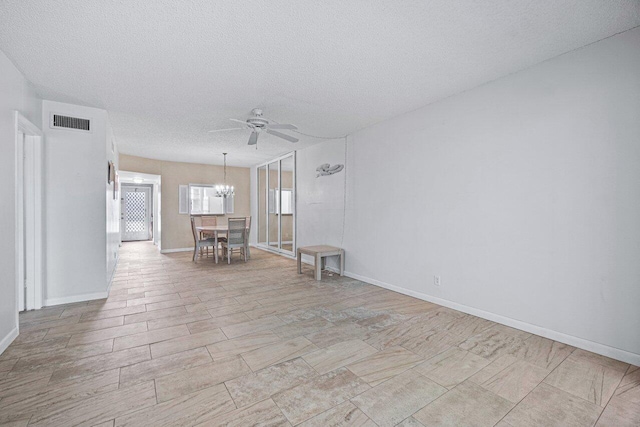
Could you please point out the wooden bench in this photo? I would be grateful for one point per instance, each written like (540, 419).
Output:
(319, 253)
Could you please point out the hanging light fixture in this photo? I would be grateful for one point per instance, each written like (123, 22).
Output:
(224, 190)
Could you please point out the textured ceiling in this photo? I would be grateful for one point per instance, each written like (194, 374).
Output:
(169, 70)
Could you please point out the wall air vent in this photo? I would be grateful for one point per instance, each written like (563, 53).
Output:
(66, 122)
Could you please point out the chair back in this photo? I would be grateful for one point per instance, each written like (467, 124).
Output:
(237, 231)
(194, 224)
(209, 221)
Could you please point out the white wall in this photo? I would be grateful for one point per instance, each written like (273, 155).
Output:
(112, 207)
(15, 94)
(320, 200)
(76, 207)
(522, 194)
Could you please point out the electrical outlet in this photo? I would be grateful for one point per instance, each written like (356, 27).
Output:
(436, 280)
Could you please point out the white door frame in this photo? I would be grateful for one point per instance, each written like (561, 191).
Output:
(33, 297)
(128, 177)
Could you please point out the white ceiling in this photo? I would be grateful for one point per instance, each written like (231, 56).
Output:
(169, 70)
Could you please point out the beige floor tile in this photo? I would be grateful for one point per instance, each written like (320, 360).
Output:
(466, 405)
(495, 342)
(344, 331)
(22, 385)
(191, 380)
(493, 369)
(217, 322)
(384, 365)
(99, 408)
(172, 303)
(149, 337)
(212, 304)
(411, 422)
(54, 323)
(620, 413)
(319, 394)
(95, 325)
(243, 344)
(338, 355)
(265, 413)
(45, 346)
(59, 395)
(117, 312)
(586, 379)
(184, 319)
(103, 362)
(7, 365)
(53, 359)
(279, 352)
(516, 381)
(159, 367)
(104, 334)
(550, 407)
(629, 388)
(253, 388)
(252, 326)
(343, 415)
(186, 342)
(192, 409)
(465, 327)
(451, 367)
(304, 327)
(396, 399)
(28, 337)
(543, 352)
(583, 356)
(153, 315)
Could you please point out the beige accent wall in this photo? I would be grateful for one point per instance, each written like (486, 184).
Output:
(176, 229)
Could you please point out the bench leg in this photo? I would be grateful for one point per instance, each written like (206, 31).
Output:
(299, 262)
(342, 263)
(318, 267)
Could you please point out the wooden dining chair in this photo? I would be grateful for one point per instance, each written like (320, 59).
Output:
(208, 221)
(198, 241)
(236, 238)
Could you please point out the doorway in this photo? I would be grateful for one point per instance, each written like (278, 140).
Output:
(136, 213)
(276, 204)
(29, 217)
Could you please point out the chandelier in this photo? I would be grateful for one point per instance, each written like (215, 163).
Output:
(224, 190)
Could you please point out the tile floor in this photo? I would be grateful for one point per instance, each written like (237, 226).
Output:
(180, 344)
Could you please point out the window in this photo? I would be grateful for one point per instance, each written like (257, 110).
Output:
(203, 201)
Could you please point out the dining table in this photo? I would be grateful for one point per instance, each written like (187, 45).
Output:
(217, 229)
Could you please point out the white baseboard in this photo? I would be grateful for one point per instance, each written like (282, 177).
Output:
(76, 298)
(8, 339)
(170, 251)
(584, 344)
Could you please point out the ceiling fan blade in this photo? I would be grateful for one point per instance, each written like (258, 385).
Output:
(253, 139)
(240, 121)
(282, 135)
(282, 126)
(224, 130)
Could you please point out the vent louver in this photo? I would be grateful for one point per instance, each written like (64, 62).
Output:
(67, 122)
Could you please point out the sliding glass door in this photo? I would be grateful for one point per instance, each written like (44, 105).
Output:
(276, 204)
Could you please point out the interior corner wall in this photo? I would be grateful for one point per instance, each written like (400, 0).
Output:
(16, 93)
(76, 210)
(523, 195)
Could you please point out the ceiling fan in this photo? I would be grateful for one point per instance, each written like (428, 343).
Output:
(256, 123)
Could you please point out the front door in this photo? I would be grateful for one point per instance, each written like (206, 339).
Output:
(136, 213)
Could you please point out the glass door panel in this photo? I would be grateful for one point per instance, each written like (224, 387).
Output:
(273, 203)
(287, 203)
(262, 205)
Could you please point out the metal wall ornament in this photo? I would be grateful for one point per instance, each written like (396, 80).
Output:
(326, 169)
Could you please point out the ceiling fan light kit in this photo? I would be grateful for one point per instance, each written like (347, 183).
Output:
(257, 123)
